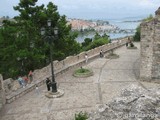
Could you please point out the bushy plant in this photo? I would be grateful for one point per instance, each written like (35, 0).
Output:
(97, 36)
(149, 18)
(97, 43)
(136, 37)
(81, 116)
(86, 42)
(83, 72)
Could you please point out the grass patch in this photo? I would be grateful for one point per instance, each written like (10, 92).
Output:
(81, 116)
(83, 72)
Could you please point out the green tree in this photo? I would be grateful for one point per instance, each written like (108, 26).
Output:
(105, 36)
(8, 49)
(23, 48)
(96, 43)
(97, 36)
(86, 42)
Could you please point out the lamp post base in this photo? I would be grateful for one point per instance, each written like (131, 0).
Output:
(54, 87)
(57, 94)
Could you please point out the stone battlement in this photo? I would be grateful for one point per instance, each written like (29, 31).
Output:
(150, 49)
(63, 66)
(2, 93)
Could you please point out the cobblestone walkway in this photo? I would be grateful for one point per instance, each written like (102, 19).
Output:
(81, 94)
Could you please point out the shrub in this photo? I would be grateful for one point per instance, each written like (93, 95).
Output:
(81, 116)
(136, 37)
(83, 72)
(86, 42)
(97, 43)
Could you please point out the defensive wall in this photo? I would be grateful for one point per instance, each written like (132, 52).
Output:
(2, 93)
(150, 49)
(60, 67)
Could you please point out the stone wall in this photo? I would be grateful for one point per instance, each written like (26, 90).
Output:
(2, 93)
(150, 49)
(71, 60)
(134, 103)
(60, 67)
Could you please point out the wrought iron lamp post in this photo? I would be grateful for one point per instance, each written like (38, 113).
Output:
(47, 33)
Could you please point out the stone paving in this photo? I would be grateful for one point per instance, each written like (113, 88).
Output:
(81, 94)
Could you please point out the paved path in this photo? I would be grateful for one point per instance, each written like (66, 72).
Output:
(81, 94)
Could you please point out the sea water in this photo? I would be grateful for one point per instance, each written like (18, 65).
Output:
(123, 24)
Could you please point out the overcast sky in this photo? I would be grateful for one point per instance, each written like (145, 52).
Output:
(92, 9)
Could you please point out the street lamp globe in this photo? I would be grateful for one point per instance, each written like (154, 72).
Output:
(49, 22)
(18, 58)
(42, 31)
(56, 31)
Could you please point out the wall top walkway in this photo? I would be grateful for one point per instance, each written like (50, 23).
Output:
(63, 66)
(81, 94)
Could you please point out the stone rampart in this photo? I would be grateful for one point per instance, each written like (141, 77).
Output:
(61, 67)
(2, 93)
(150, 49)
(70, 60)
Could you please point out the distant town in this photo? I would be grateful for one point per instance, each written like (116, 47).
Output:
(89, 25)
(97, 25)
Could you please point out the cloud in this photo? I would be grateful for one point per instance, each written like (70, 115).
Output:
(107, 4)
(72, 7)
(103, 8)
(149, 3)
(92, 8)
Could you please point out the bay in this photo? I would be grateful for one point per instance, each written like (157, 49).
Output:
(127, 24)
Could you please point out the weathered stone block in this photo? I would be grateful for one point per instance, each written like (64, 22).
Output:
(150, 48)
(2, 93)
(135, 103)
